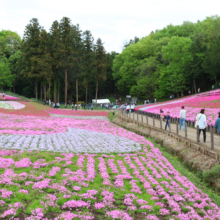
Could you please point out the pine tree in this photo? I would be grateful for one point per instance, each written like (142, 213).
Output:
(55, 50)
(100, 64)
(66, 48)
(44, 58)
(30, 53)
(88, 59)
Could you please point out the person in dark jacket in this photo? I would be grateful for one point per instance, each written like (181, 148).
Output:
(167, 120)
(217, 124)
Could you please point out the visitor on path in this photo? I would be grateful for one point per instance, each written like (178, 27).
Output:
(217, 124)
(128, 108)
(65, 105)
(58, 105)
(213, 86)
(189, 92)
(76, 106)
(182, 117)
(198, 90)
(88, 106)
(167, 121)
(201, 119)
(132, 108)
(3, 96)
(72, 106)
(92, 107)
(161, 115)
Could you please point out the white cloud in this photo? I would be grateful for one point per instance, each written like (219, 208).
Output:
(114, 21)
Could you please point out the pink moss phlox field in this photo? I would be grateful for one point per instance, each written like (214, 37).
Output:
(193, 104)
(32, 125)
(77, 191)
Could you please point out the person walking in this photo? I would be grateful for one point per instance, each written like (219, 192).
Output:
(92, 107)
(182, 117)
(76, 106)
(128, 108)
(201, 119)
(72, 106)
(217, 124)
(161, 115)
(167, 121)
(132, 108)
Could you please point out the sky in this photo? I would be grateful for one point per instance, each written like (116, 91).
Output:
(114, 21)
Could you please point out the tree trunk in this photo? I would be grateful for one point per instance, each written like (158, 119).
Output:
(215, 80)
(194, 84)
(55, 91)
(58, 95)
(41, 91)
(45, 96)
(66, 86)
(14, 86)
(76, 91)
(97, 84)
(49, 90)
(86, 92)
(36, 92)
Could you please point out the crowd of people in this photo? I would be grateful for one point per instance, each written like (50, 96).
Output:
(89, 106)
(200, 121)
(128, 107)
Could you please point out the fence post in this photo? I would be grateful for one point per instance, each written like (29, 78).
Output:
(153, 122)
(147, 119)
(133, 115)
(142, 118)
(197, 134)
(160, 123)
(137, 116)
(177, 130)
(129, 115)
(186, 130)
(169, 126)
(212, 137)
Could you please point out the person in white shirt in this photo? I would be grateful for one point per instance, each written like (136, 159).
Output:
(201, 119)
(128, 107)
(182, 117)
(132, 108)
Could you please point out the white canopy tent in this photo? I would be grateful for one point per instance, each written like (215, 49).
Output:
(101, 101)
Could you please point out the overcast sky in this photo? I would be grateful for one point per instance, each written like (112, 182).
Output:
(114, 21)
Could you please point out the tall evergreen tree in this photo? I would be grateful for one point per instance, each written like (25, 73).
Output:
(100, 64)
(55, 50)
(66, 48)
(30, 52)
(44, 59)
(88, 60)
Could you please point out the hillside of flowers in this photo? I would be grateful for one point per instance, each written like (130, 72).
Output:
(210, 101)
(8, 97)
(64, 164)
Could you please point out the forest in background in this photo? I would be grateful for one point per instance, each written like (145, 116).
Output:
(173, 60)
(62, 64)
(65, 63)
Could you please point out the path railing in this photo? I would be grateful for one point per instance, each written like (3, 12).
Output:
(190, 132)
